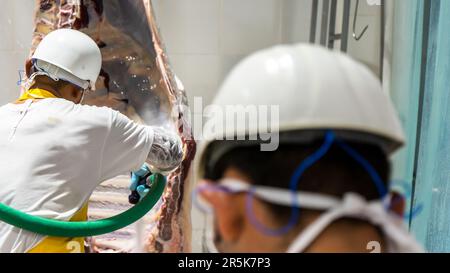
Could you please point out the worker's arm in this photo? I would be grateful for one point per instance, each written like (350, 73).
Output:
(128, 145)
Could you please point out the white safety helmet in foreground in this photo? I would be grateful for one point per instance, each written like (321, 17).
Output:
(69, 55)
(315, 89)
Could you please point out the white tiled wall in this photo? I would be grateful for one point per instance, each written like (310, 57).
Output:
(246, 25)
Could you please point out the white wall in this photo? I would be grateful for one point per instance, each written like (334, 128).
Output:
(16, 22)
(206, 38)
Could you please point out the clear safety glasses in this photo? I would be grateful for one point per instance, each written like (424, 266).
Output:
(291, 197)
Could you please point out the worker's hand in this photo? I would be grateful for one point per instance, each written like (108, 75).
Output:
(137, 176)
(166, 153)
(138, 187)
(142, 191)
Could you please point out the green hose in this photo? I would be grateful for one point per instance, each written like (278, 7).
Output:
(56, 228)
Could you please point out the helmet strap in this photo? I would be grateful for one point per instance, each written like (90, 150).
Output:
(57, 74)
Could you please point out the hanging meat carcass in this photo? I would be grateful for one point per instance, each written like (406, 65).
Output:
(136, 79)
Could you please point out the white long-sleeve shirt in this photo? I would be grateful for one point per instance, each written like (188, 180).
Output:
(53, 156)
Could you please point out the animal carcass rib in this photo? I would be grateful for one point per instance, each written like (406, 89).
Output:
(135, 79)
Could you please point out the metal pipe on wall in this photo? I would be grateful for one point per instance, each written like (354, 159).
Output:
(332, 25)
(345, 26)
(329, 20)
(328, 34)
(324, 35)
(313, 27)
(382, 37)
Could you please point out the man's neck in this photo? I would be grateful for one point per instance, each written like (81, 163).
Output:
(46, 87)
(342, 236)
(349, 236)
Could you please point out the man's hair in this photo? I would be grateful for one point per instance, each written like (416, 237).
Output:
(60, 84)
(335, 174)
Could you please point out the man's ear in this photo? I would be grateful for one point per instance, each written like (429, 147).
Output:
(28, 65)
(70, 92)
(77, 94)
(228, 212)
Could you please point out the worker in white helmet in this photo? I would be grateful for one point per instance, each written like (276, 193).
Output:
(325, 187)
(54, 152)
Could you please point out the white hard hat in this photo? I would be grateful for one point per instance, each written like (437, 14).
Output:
(69, 55)
(315, 89)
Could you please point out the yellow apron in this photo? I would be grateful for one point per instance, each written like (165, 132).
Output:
(57, 244)
(62, 244)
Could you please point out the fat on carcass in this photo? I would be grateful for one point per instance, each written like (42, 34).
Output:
(137, 80)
